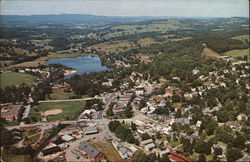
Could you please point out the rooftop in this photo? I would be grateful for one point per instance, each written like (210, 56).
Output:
(89, 149)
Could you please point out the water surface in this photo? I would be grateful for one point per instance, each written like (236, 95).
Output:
(83, 65)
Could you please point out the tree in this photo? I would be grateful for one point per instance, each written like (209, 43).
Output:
(233, 154)
(110, 112)
(178, 113)
(133, 126)
(202, 158)
(158, 135)
(239, 142)
(145, 136)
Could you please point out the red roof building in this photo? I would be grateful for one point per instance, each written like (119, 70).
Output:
(185, 159)
(170, 91)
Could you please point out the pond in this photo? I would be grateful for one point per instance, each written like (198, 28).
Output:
(83, 65)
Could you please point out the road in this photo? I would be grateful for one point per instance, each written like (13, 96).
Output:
(70, 100)
(108, 101)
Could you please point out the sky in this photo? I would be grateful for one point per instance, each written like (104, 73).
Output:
(179, 8)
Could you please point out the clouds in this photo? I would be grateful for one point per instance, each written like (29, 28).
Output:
(181, 8)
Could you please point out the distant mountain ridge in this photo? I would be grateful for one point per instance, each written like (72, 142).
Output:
(86, 19)
(70, 18)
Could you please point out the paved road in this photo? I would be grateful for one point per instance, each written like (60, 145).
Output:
(70, 100)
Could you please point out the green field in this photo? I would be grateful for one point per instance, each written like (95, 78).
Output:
(16, 158)
(69, 110)
(60, 96)
(11, 78)
(5, 63)
(237, 53)
(157, 26)
(41, 42)
(242, 38)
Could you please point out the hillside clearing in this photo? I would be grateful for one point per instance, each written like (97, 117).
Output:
(11, 79)
(207, 52)
(242, 38)
(237, 53)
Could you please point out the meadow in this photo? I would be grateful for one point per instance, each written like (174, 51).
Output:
(12, 78)
(242, 37)
(237, 53)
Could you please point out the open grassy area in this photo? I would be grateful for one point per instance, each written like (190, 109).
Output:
(139, 156)
(109, 151)
(147, 41)
(114, 46)
(16, 158)
(41, 42)
(32, 139)
(11, 78)
(173, 143)
(61, 95)
(9, 124)
(237, 53)
(69, 110)
(207, 52)
(5, 63)
(242, 38)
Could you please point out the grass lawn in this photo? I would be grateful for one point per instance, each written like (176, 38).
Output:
(174, 143)
(16, 158)
(60, 95)
(31, 140)
(237, 53)
(109, 151)
(194, 156)
(9, 124)
(11, 78)
(139, 156)
(69, 109)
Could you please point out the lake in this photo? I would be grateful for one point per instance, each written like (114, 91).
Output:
(83, 65)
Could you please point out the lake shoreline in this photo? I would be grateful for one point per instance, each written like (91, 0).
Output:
(80, 65)
(68, 72)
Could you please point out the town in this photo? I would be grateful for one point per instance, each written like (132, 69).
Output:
(166, 90)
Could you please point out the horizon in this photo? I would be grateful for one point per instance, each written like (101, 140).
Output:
(132, 16)
(129, 8)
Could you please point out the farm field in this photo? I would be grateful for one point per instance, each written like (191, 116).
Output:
(147, 41)
(115, 46)
(237, 53)
(41, 42)
(108, 150)
(158, 26)
(11, 78)
(42, 60)
(242, 37)
(59, 110)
